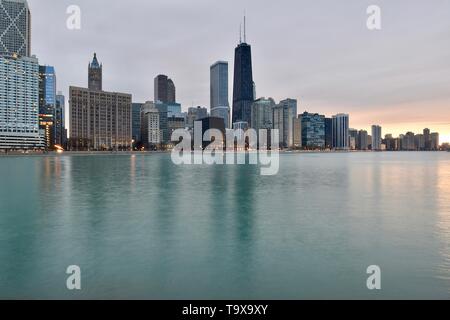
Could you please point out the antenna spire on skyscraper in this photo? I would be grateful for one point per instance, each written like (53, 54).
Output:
(245, 31)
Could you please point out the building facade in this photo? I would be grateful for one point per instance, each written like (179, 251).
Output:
(136, 122)
(362, 142)
(220, 106)
(340, 135)
(313, 130)
(283, 116)
(100, 120)
(262, 114)
(195, 114)
(165, 90)
(15, 28)
(376, 137)
(150, 129)
(95, 77)
(60, 120)
(243, 86)
(47, 105)
(19, 103)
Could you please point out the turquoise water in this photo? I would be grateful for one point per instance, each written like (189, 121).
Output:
(141, 227)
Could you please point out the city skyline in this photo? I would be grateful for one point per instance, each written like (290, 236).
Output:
(334, 64)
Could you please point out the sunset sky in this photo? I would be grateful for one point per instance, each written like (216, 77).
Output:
(319, 52)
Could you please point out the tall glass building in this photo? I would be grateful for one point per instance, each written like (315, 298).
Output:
(47, 104)
(313, 130)
(243, 86)
(19, 103)
(15, 28)
(136, 109)
(220, 106)
(60, 121)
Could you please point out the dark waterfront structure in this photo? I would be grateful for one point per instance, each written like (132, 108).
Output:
(313, 130)
(328, 133)
(95, 75)
(243, 86)
(212, 123)
(60, 121)
(136, 122)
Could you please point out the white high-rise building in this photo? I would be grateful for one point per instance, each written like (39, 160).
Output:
(262, 114)
(340, 136)
(376, 137)
(19, 103)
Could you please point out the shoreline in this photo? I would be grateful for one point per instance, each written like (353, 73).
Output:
(144, 153)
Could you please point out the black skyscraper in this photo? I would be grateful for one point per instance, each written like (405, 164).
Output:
(243, 93)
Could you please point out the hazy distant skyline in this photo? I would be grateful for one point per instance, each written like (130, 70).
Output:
(318, 52)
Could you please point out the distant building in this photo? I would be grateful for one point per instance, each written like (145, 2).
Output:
(220, 106)
(95, 77)
(151, 134)
(313, 130)
(340, 132)
(262, 114)
(47, 104)
(408, 142)
(174, 123)
(60, 121)
(212, 123)
(427, 139)
(297, 134)
(19, 87)
(174, 110)
(195, 114)
(353, 137)
(15, 28)
(243, 86)
(419, 142)
(435, 141)
(164, 89)
(99, 120)
(362, 142)
(376, 138)
(136, 122)
(283, 119)
(328, 133)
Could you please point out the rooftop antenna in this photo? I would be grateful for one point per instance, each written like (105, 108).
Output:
(240, 33)
(245, 27)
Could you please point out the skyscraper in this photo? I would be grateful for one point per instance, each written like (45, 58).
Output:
(313, 130)
(283, 116)
(47, 104)
(340, 132)
(220, 106)
(243, 86)
(262, 114)
(165, 90)
(19, 103)
(95, 75)
(60, 121)
(15, 28)
(19, 79)
(136, 122)
(362, 142)
(99, 120)
(376, 137)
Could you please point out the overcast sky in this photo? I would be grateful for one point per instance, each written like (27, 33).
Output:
(317, 51)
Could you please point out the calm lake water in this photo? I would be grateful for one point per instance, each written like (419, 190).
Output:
(141, 227)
